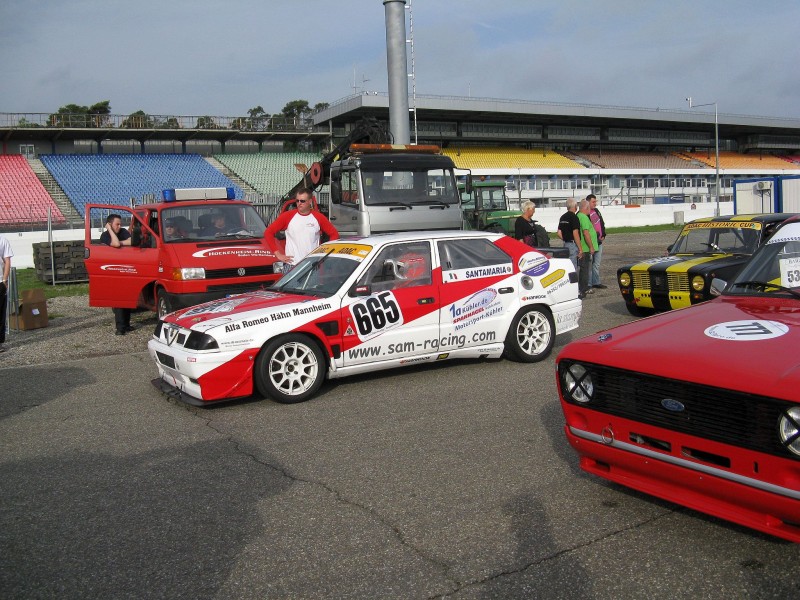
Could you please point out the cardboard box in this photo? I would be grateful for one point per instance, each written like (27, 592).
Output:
(32, 311)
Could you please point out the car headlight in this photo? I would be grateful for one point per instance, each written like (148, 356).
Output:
(624, 279)
(789, 429)
(189, 273)
(577, 382)
(200, 341)
(698, 283)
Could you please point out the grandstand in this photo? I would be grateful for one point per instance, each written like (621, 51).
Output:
(119, 178)
(23, 198)
(269, 173)
(547, 152)
(499, 158)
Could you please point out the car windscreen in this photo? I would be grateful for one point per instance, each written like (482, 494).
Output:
(409, 187)
(318, 275)
(774, 269)
(207, 222)
(718, 238)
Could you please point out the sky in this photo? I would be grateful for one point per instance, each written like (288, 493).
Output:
(222, 58)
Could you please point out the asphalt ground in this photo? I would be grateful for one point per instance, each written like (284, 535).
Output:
(450, 480)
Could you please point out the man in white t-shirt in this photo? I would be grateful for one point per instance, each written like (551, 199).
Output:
(5, 256)
(303, 227)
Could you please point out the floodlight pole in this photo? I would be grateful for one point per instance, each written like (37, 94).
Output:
(716, 143)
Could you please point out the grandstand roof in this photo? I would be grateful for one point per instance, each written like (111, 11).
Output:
(751, 132)
(497, 110)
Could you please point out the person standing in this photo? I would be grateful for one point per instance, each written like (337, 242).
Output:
(600, 228)
(569, 228)
(117, 236)
(524, 226)
(304, 227)
(588, 248)
(5, 255)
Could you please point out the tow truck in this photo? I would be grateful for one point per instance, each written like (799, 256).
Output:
(380, 187)
(195, 260)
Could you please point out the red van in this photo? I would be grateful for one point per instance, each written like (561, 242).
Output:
(196, 245)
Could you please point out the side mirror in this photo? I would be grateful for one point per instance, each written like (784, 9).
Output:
(360, 290)
(718, 286)
(336, 191)
(136, 235)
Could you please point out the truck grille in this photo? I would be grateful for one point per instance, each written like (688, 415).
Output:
(234, 272)
(726, 416)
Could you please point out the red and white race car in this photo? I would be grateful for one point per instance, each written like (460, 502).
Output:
(364, 304)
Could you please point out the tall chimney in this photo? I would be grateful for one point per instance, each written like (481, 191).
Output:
(397, 68)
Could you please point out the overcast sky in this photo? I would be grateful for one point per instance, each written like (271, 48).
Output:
(221, 58)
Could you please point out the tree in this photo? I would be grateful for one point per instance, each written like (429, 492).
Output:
(205, 123)
(296, 109)
(138, 120)
(74, 115)
(320, 106)
(168, 123)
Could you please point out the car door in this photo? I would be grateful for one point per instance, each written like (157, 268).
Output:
(117, 276)
(393, 314)
(477, 293)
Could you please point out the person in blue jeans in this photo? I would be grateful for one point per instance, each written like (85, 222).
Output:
(569, 230)
(600, 228)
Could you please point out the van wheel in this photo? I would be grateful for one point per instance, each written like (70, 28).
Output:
(290, 369)
(163, 305)
(531, 335)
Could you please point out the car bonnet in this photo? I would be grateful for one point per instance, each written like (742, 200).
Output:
(748, 344)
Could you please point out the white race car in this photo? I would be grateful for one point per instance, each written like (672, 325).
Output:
(364, 304)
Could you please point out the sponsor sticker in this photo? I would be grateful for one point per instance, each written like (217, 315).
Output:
(721, 225)
(534, 264)
(225, 305)
(747, 331)
(790, 271)
(549, 280)
(239, 251)
(478, 272)
(661, 259)
(356, 250)
(130, 269)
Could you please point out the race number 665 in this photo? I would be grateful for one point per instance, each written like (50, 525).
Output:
(376, 314)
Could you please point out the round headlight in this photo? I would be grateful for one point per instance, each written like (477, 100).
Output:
(578, 383)
(698, 283)
(789, 429)
(625, 279)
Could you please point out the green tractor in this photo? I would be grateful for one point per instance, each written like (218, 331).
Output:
(486, 208)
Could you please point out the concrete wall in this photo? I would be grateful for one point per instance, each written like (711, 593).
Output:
(614, 216)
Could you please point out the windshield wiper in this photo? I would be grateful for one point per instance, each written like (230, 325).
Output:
(765, 284)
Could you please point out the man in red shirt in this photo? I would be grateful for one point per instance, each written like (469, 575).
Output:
(303, 227)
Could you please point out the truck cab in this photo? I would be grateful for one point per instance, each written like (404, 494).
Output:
(196, 245)
(381, 188)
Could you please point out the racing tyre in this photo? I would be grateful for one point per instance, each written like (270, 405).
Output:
(638, 311)
(531, 335)
(163, 305)
(290, 369)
